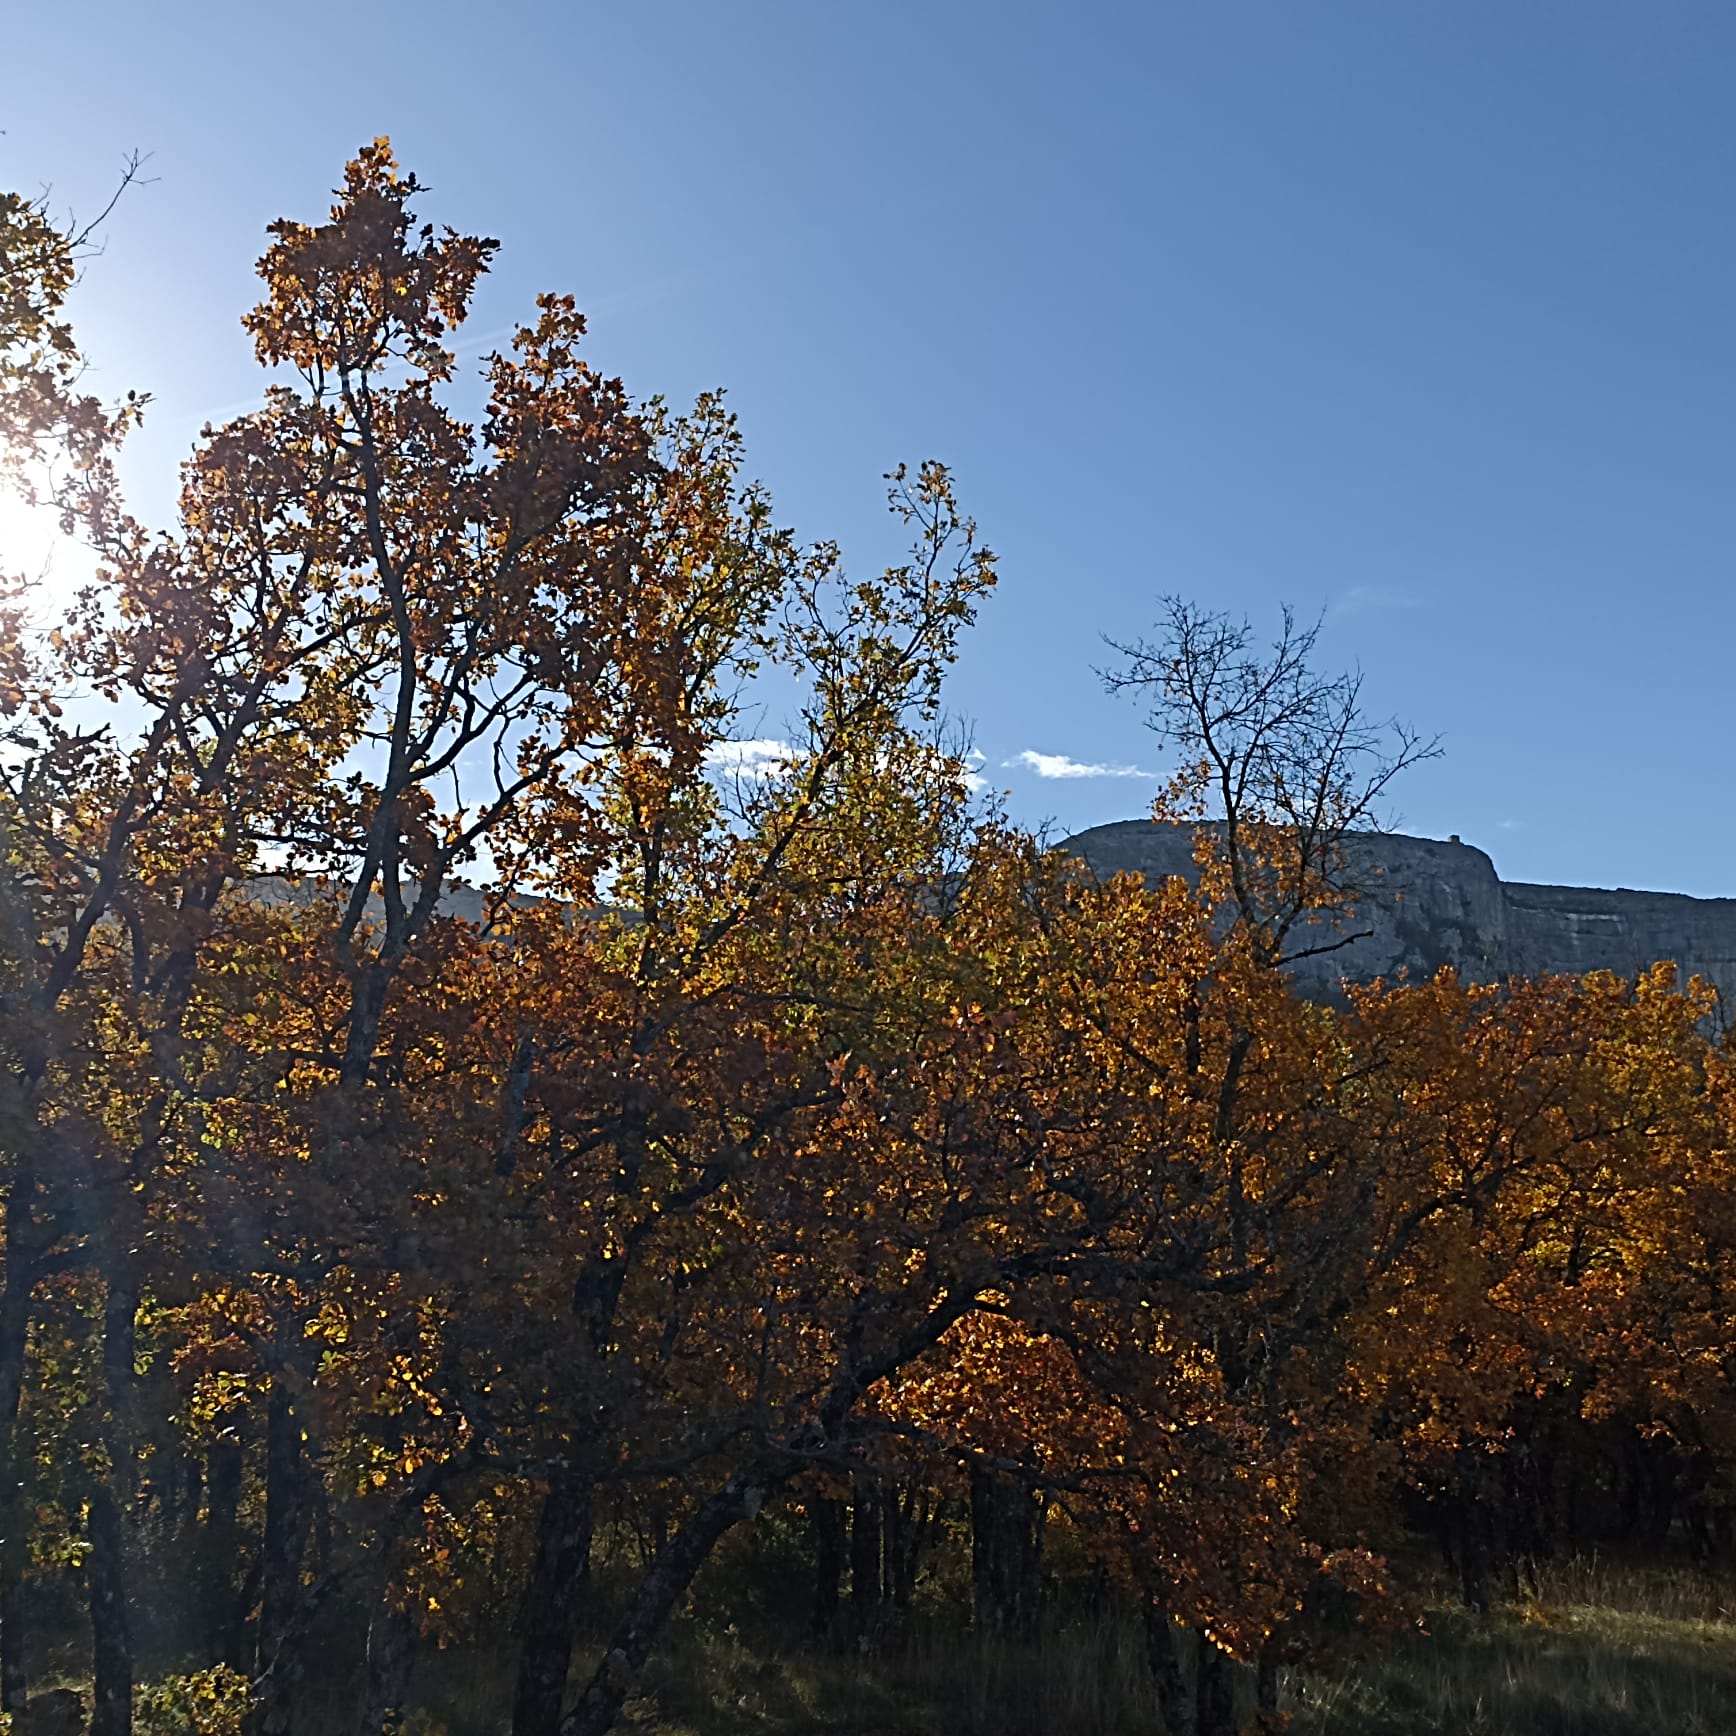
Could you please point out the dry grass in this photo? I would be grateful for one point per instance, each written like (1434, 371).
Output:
(1592, 1650)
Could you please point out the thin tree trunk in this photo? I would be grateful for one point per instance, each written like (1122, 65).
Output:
(14, 1336)
(1215, 1690)
(1167, 1675)
(664, 1585)
(110, 1629)
(867, 1522)
(391, 1652)
(1266, 1689)
(218, 1552)
(280, 1562)
(111, 1634)
(826, 1516)
(915, 1509)
(1007, 1521)
(14, 1554)
(553, 1597)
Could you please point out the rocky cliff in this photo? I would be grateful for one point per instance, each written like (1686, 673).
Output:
(1437, 903)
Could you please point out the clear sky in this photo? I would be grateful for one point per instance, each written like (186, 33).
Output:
(1416, 311)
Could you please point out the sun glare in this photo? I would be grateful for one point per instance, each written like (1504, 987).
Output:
(33, 548)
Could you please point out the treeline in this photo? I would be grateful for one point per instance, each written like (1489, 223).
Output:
(797, 1143)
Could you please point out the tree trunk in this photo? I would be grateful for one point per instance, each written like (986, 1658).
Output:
(110, 1630)
(1167, 1675)
(553, 1597)
(665, 1583)
(908, 1523)
(866, 1543)
(1266, 1689)
(14, 1337)
(1007, 1519)
(1474, 1554)
(222, 1622)
(111, 1636)
(280, 1562)
(826, 1516)
(391, 1652)
(1215, 1690)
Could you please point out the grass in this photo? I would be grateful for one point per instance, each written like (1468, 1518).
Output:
(1593, 1649)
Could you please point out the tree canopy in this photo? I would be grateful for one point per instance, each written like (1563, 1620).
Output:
(452, 1137)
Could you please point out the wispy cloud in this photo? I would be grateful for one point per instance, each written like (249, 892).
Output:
(1058, 765)
(1365, 599)
(761, 757)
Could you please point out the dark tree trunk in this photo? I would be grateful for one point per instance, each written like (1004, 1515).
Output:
(1474, 1540)
(111, 1637)
(174, 1487)
(110, 1631)
(286, 1504)
(1214, 1690)
(866, 1543)
(319, 1527)
(553, 1597)
(910, 1526)
(222, 1621)
(1006, 1554)
(1474, 1551)
(391, 1652)
(1473, 1559)
(826, 1517)
(14, 1558)
(1174, 1701)
(14, 1335)
(1266, 1688)
(664, 1585)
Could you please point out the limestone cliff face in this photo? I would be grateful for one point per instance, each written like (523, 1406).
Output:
(1437, 903)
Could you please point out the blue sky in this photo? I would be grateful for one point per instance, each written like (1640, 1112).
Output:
(1418, 313)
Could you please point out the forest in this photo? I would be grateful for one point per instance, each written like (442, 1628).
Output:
(488, 1176)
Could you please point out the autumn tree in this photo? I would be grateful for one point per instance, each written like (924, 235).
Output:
(358, 581)
(56, 448)
(448, 1120)
(380, 644)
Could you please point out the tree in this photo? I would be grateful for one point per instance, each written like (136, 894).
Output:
(384, 1245)
(1283, 759)
(56, 442)
(350, 584)
(377, 648)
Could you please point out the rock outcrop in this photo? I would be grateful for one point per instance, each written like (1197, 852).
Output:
(1432, 903)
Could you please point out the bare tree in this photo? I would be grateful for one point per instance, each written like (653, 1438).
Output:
(1282, 762)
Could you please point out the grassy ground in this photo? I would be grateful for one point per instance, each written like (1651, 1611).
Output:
(1592, 1650)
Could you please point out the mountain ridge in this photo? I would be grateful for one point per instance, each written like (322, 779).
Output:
(1435, 902)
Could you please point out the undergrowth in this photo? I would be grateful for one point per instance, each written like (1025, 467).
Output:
(1589, 1649)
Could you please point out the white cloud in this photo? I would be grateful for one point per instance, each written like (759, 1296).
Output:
(763, 757)
(1058, 765)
